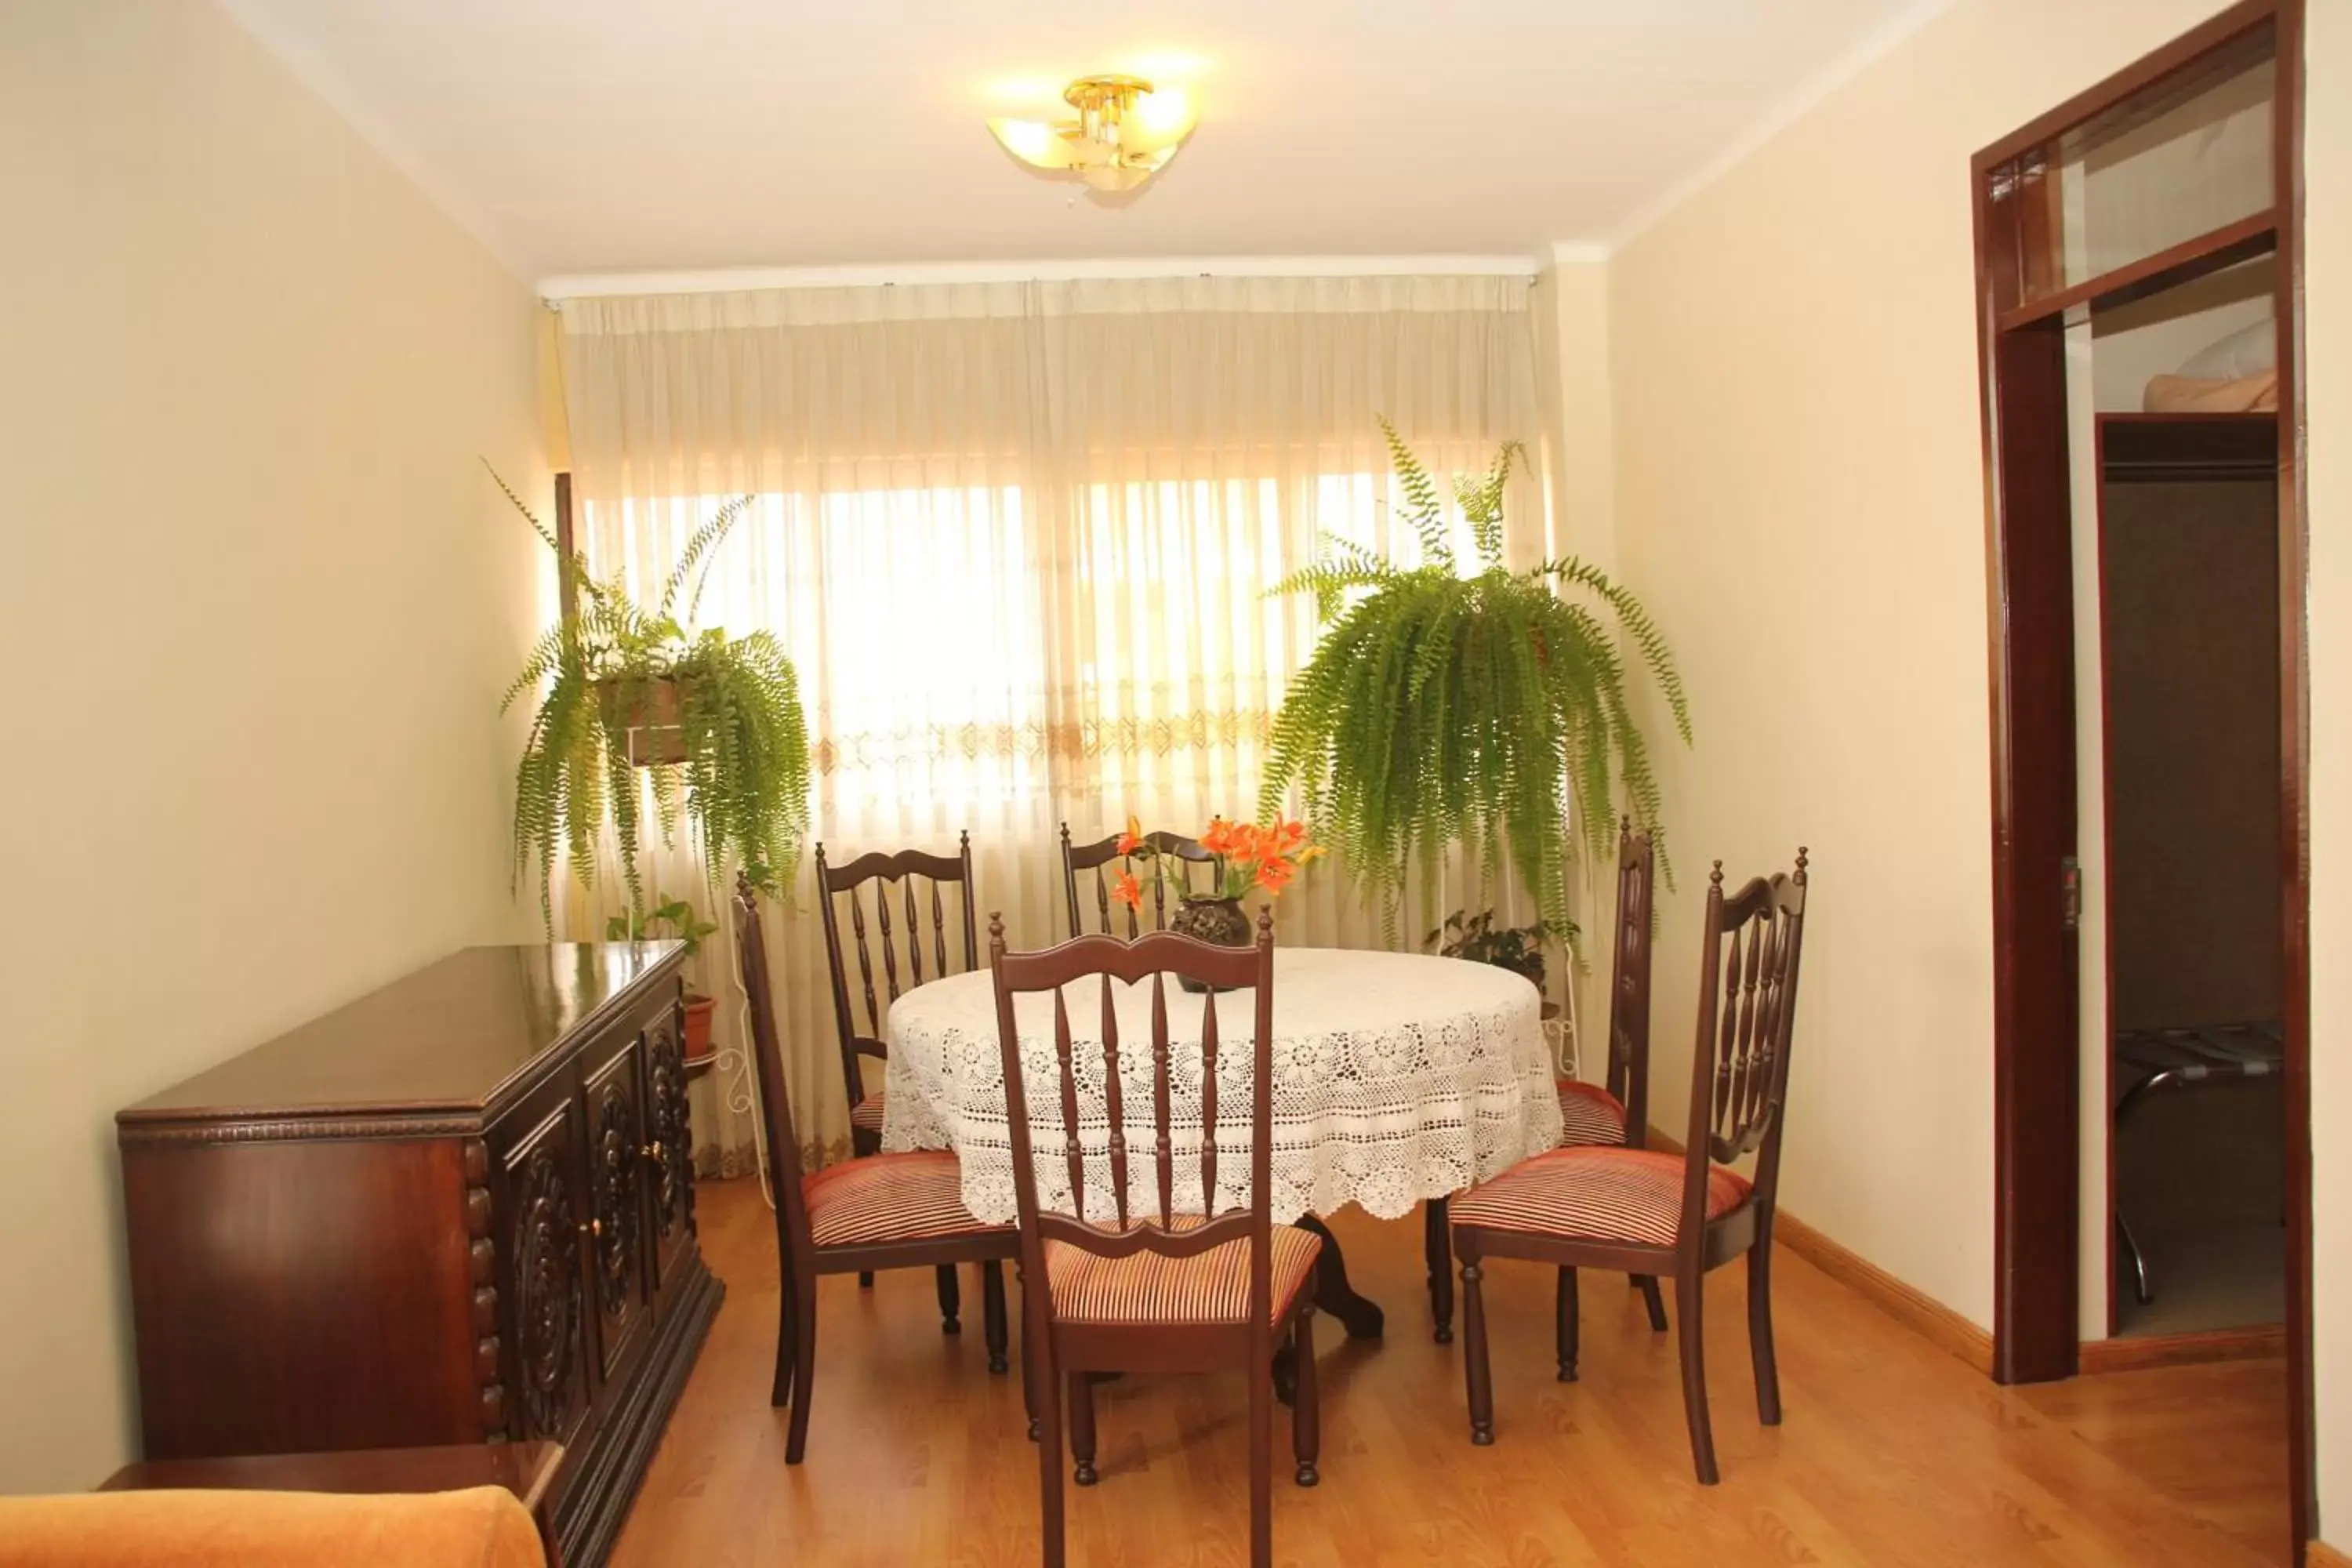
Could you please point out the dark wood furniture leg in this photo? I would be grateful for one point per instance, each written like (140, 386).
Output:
(1565, 1307)
(1305, 1409)
(787, 1348)
(1759, 1325)
(1081, 1392)
(1049, 1452)
(1438, 1240)
(1690, 1287)
(1032, 1362)
(1476, 1371)
(992, 1314)
(1652, 1298)
(950, 1301)
(804, 1365)
(1261, 1420)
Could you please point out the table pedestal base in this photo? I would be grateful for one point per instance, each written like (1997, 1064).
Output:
(1333, 1294)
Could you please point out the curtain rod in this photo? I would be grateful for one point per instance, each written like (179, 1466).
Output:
(719, 280)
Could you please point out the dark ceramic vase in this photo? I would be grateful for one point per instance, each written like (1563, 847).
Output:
(1217, 920)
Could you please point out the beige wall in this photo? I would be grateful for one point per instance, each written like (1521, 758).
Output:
(257, 601)
(1799, 497)
(2327, 326)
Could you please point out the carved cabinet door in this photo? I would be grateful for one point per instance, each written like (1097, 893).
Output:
(545, 1220)
(669, 1176)
(620, 1147)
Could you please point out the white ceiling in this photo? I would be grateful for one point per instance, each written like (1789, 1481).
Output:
(581, 136)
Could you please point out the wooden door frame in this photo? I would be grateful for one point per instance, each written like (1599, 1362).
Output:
(2029, 588)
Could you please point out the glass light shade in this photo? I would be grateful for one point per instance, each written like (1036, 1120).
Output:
(1124, 133)
(1032, 142)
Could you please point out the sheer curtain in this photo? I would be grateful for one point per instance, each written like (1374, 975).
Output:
(1017, 539)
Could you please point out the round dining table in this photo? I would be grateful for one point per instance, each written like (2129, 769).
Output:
(1396, 1078)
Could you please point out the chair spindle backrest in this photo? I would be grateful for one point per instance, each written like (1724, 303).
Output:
(1628, 990)
(916, 881)
(1117, 1231)
(795, 1248)
(1160, 884)
(1748, 1000)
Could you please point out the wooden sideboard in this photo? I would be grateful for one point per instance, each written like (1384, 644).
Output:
(458, 1210)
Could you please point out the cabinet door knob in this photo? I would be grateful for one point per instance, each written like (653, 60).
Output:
(654, 1151)
(594, 1227)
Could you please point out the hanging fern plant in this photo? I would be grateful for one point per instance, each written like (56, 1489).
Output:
(1441, 707)
(712, 725)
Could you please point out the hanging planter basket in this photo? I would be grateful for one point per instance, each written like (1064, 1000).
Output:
(646, 714)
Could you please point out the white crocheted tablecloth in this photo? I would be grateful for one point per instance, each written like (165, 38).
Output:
(1396, 1078)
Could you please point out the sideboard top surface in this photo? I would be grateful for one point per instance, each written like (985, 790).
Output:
(445, 1039)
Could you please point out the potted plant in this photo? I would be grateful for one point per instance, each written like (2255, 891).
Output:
(1443, 705)
(1474, 937)
(673, 919)
(1248, 858)
(710, 724)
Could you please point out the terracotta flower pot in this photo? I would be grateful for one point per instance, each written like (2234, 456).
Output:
(1217, 920)
(698, 1010)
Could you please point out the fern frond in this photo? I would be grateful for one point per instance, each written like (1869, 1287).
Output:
(1422, 509)
(699, 543)
(1572, 572)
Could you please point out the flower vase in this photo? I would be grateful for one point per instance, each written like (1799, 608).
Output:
(1219, 921)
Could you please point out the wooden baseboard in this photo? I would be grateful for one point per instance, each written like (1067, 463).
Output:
(1909, 1305)
(2266, 1342)
(2319, 1554)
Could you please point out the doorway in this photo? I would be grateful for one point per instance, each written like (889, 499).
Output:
(2145, 561)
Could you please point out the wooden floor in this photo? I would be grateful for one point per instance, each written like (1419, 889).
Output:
(1893, 1452)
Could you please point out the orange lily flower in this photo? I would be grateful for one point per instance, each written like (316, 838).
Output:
(1128, 890)
(1133, 839)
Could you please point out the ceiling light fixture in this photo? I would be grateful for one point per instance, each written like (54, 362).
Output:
(1126, 132)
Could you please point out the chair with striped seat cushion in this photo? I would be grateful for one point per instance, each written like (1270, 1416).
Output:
(1589, 1114)
(1646, 1212)
(1135, 1286)
(881, 1212)
(862, 894)
(1615, 1111)
(1632, 1195)
(1211, 1287)
(912, 1196)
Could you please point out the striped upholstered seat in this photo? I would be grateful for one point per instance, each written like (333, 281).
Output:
(1589, 1114)
(1146, 1288)
(1596, 1194)
(867, 1114)
(916, 1197)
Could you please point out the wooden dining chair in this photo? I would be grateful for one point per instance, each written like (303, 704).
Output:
(903, 875)
(1103, 855)
(1149, 1288)
(1648, 1213)
(884, 1211)
(1613, 1112)
(908, 874)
